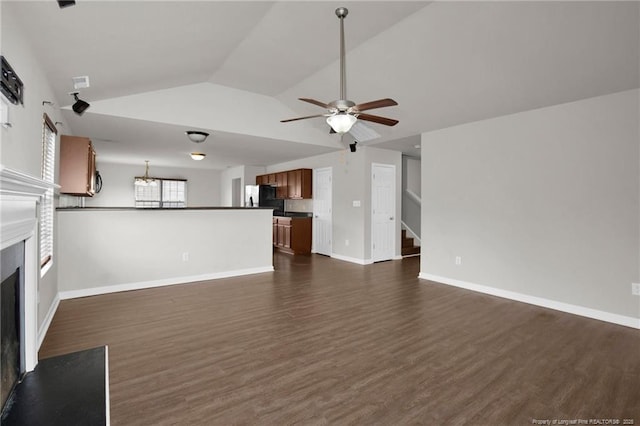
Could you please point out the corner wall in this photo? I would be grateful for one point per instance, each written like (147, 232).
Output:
(543, 204)
(21, 144)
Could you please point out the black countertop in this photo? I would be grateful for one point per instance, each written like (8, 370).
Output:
(280, 213)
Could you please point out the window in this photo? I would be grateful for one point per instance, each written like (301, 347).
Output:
(49, 134)
(161, 193)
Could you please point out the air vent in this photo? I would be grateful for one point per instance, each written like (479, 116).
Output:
(81, 82)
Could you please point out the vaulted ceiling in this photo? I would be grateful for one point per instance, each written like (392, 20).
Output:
(235, 68)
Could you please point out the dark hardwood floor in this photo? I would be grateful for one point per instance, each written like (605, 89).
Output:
(321, 341)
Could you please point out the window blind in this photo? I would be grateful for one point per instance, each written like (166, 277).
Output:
(49, 134)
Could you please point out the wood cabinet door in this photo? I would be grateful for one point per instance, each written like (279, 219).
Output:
(77, 166)
(286, 242)
(275, 232)
(282, 189)
(260, 180)
(271, 179)
(306, 178)
(295, 189)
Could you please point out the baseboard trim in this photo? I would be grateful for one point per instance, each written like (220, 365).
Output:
(352, 259)
(95, 291)
(538, 301)
(44, 327)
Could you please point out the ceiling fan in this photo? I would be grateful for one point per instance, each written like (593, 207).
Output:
(343, 113)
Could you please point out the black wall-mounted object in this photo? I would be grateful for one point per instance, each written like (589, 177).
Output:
(10, 85)
(66, 3)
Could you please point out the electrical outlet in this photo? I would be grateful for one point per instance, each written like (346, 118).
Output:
(635, 289)
(185, 256)
(458, 260)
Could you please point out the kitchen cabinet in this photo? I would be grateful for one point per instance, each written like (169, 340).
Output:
(290, 184)
(299, 184)
(292, 234)
(77, 166)
(282, 188)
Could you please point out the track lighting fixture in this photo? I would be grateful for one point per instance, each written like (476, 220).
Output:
(196, 136)
(80, 106)
(352, 146)
(198, 156)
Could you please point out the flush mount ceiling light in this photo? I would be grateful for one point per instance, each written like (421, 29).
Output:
(145, 180)
(196, 136)
(80, 106)
(198, 156)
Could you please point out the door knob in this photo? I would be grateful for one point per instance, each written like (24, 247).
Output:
(391, 218)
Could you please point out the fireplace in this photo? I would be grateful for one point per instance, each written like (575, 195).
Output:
(11, 294)
(20, 197)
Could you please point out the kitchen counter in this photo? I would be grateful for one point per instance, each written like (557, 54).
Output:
(292, 214)
(157, 208)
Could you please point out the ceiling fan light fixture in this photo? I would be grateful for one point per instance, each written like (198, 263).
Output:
(341, 122)
(198, 156)
(196, 136)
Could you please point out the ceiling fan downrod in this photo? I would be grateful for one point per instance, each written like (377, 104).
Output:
(342, 13)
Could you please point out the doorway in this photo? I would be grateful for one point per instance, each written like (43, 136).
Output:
(322, 205)
(383, 208)
(236, 192)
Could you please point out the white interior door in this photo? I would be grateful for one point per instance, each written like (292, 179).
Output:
(383, 209)
(322, 226)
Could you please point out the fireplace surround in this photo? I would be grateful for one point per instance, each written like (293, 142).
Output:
(20, 196)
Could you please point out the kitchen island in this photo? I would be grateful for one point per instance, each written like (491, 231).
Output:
(104, 250)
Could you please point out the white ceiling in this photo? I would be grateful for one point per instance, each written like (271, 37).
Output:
(445, 63)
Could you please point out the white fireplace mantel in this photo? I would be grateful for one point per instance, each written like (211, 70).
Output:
(20, 196)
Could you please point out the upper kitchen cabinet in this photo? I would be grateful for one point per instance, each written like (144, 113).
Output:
(77, 166)
(290, 184)
(299, 183)
(282, 187)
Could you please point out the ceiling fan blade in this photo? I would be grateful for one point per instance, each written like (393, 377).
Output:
(380, 103)
(313, 101)
(377, 119)
(303, 118)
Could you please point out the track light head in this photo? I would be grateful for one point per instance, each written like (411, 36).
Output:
(352, 146)
(80, 106)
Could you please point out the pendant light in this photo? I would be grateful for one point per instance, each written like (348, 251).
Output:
(146, 180)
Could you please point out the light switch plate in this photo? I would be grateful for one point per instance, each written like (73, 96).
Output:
(356, 203)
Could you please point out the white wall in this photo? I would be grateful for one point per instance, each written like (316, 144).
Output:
(113, 250)
(413, 174)
(247, 175)
(351, 182)
(544, 203)
(203, 186)
(21, 145)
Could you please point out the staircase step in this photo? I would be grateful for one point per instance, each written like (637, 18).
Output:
(407, 251)
(407, 242)
(404, 234)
